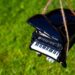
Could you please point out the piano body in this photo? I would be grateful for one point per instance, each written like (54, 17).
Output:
(49, 38)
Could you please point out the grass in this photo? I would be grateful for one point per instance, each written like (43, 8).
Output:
(15, 35)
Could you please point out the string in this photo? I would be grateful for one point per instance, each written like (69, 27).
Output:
(43, 13)
(46, 7)
(65, 25)
(70, 6)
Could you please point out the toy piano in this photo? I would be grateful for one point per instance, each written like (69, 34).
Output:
(49, 37)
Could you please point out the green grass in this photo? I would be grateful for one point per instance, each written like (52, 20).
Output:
(15, 35)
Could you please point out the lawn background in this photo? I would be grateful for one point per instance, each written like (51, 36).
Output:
(15, 35)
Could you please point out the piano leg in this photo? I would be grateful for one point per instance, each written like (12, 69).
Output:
(62, 58)
(50, 59)
(39, 54)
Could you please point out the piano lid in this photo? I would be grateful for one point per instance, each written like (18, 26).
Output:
(40, 23)
(56, 17)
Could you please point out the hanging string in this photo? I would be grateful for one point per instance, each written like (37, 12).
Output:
(70, 6)
(44, 11)
(46, 7)
(65, 25)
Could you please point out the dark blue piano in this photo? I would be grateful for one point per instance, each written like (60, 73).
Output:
(49, 38)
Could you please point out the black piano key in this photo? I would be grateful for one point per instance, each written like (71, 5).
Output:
(50, 49)
(40, 45)
(54, 52)
(47, 48)
(37, 44)
(44, 47)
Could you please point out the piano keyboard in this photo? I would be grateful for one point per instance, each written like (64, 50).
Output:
(45, 49)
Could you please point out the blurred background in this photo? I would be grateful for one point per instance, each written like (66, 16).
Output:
(15, 35)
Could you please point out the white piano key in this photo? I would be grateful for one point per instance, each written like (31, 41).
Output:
(57, 53)
(49, 48)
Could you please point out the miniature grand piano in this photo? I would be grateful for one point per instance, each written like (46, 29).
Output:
(49, 38)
